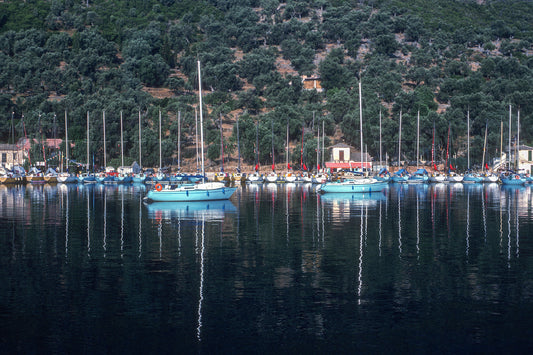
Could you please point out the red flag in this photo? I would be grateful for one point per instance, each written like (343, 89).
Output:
(318, 167)
(288, 166)
(435, 167)
(486, 166)
(451, 167)
(256, 167)
(273, 167)
(305, 167)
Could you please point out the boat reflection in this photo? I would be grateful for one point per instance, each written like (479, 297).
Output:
(209, 210)
(355, 199)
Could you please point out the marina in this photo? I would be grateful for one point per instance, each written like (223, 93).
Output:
(276, 267)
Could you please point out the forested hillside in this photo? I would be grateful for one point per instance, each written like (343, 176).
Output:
(442, 58)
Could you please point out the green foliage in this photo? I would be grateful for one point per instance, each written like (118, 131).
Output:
(410, 56)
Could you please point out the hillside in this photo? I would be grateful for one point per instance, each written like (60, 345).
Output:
(440, 58)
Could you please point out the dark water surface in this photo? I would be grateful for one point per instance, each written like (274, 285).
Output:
(277, 269)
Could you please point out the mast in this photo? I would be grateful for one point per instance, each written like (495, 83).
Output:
(501, 142)
(433, 148)
(121, 142)
(287, 146)
(400, 141)
(518, 141)
(221, 145)
(201, 119)
(257, 146)
(317, 149)
(484, 146)
(448, 148)
(238, 148)
(179, 140)
(272, 136)
(160, 140)
(361, 123)
(66, 139)
(302, 150)
(87, 141)
(468, 140)
(380, 151)
(196, 136)
(140, 155)
(323, 139)
(417, 137)
(509, 157)
(103, 122)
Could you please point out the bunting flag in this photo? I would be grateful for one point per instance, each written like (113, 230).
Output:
(256, 167)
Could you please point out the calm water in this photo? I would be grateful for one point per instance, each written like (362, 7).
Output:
(418, 269)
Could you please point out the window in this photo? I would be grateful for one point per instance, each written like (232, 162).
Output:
(529, 154)
(4, 157)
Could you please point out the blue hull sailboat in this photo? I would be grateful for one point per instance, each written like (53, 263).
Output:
(357, 184)
(203, 191)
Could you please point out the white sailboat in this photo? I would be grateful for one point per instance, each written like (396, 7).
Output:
(203, 191)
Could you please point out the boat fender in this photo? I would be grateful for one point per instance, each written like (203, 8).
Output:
(158, 187)
(517, 177)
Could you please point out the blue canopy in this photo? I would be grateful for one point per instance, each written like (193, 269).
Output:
(421, 172)
(383, 171)
(401, 172)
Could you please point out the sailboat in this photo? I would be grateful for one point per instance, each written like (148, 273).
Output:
(451, 176)
(239, 176)
(401, 175)
(470, 176)
(66, 177)
(140, 177)
(359, 184)
(122, 178)
(487, 176)
(511, 177)
(256, 177)
(272, 177)
(87, 177)
(289, 176)
(102, 177)
(421, 175)
(203, 191)
(221, 175)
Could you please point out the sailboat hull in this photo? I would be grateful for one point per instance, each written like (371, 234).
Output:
(191, 192)
(353, 186)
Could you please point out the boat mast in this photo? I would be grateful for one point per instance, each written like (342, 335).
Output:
(468, 140)
(501, 142)
(518, 141)
(196, 137)
(103, 123)
(317, 149)
(238, 148)
(272, 136)
(380, 151)
(66, 140)
(484, 146)
(179, 140)
(121, 142)
(448, 148)
(287, 146)
(160, 141)
(140, 155)
(221, 145)
(201, 119)
(257, 146)
(509, 158)
(417, 137)
(361, 123)
(433, 148)
(400, 141)
(323, 139)
(87, 141)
